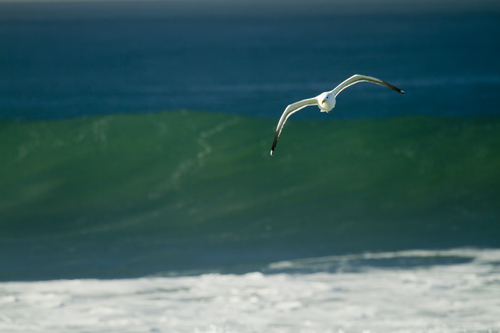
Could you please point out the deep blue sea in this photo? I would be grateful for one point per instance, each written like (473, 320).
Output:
(137, 193)
(256, 66)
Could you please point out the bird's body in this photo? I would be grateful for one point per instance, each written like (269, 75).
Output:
(325, 101)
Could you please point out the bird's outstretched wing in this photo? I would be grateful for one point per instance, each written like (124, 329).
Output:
(362, 78)
(292, 108)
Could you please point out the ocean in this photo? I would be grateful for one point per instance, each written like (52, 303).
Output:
(256, 66)
(137, 193)
(411, 291)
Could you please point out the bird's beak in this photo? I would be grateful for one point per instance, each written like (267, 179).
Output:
(323, 102)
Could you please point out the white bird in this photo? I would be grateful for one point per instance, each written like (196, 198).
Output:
(325, 101)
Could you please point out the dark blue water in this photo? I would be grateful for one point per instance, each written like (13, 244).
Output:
(55, 68)
(120, 196)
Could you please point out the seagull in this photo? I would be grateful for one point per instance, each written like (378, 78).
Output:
(325, 101)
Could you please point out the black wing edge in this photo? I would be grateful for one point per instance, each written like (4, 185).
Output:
(395, 88)
(275, 142)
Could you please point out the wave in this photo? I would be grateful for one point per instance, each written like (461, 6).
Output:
(329, 85)
(131, 195)
(452, 81)
(457, 297)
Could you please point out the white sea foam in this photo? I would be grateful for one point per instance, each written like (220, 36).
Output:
(454, 297)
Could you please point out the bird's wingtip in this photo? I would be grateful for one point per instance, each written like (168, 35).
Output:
(403, 92)
(271, 153)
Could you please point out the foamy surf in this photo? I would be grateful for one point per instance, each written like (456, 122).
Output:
(451, 297)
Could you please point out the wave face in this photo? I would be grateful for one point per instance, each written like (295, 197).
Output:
(435, 291)
(127, 196)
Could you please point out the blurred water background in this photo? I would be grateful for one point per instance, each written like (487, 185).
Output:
(134, 145)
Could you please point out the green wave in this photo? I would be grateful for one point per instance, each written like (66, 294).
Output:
(181, 190)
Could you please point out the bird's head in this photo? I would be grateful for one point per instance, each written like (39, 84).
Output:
(326, 101)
